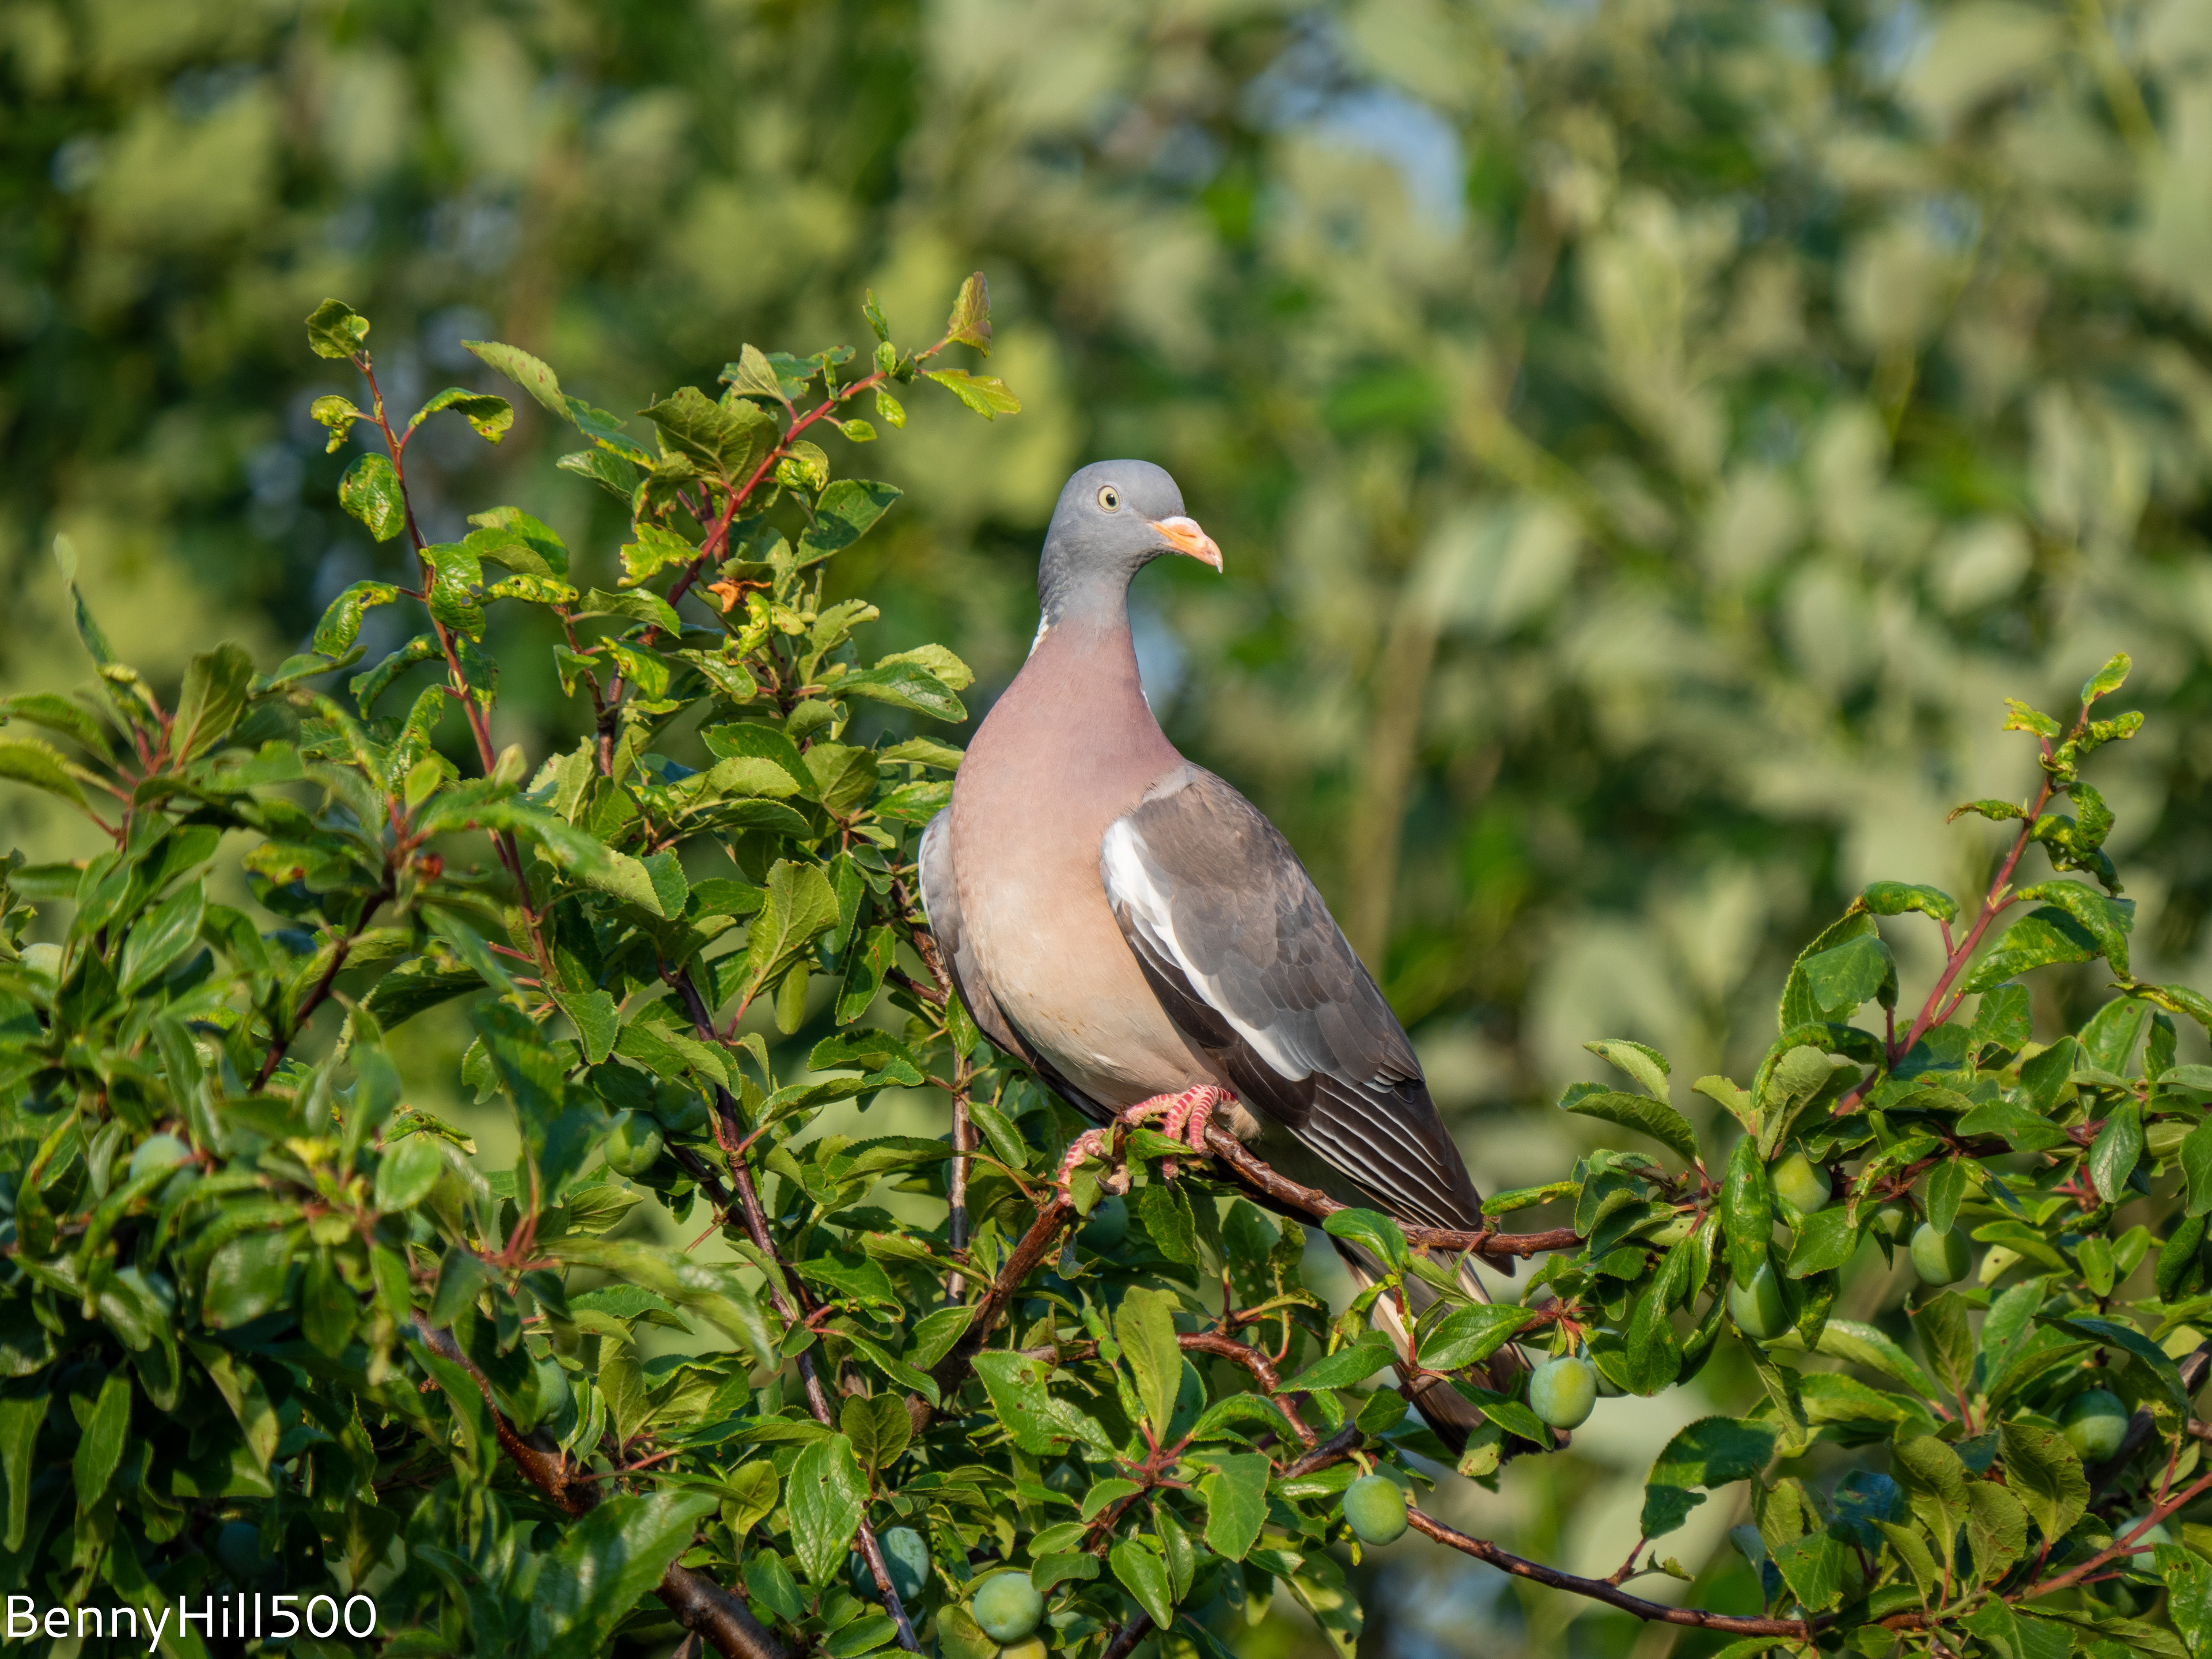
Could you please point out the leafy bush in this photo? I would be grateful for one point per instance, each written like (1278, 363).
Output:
(267, 1328)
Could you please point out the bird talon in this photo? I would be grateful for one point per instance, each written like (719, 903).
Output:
(1185, 1117)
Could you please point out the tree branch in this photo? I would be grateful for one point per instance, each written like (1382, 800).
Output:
(1598, 1590)
(1488, 1242)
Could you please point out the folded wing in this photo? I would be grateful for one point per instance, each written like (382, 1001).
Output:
(1244, 956)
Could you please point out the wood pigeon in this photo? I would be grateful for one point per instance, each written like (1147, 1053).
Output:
(1136, 932)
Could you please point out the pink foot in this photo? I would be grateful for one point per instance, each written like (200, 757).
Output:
(1183, 1117)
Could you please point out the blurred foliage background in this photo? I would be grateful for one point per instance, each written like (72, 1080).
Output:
(1648, 436)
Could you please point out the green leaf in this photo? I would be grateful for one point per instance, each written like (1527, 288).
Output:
(1466, 1336)
(1894, 898)
(848, 509)
(2045, 1474)
(1826, 1239)
(1144, 1326)
(1346, 1367)
(824, 1495)
(58, 713)
(370, 491)
(902, 686)
(1947, 1190)
(1996, 1529)
(2197, 1166)
(2112, 1334)
(593, 1015)
(511, 536)
(157, 942)
(491, 416)
(335, 329)
(970, 321)
(39, 763)
(728, 439)
(1711, 1452)
(880, 1428)
(1143, 1572)
(406, 1172)
(1852, 973)
(985, 394)
(2188, 1579)
(1655, 1118)
(462, 1277)
(1935, 1484)
(100, 1450)
(2108, 922)
(2107, 679)
(1235, 1494)
(245, 1276)
(1376, 1231)
(213, 697)
(2114, 1153)
(525, 371)
(639, 606)
(2002, 1021)
(1746, 1211)
(1949, 1342)
(2107, 1040)
(1811, 1565)
(341, 623)
(800, 907)
(1644, 1063)
(21, 1416)
(607, 1561)
(1015, 1383)
(2036, 940)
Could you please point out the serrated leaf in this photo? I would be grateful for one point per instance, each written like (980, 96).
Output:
(2045, 1473)
(1711, 1452)
(1894, 898)
(1236, 1493)
(336, 330)
(985, 394)
(1655, 1118)
(970, 321)
(39, 763)
(491, 416)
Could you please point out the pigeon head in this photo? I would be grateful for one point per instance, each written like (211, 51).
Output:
(1112, 519)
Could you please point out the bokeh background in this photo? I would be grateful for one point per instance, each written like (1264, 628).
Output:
(1649, 438)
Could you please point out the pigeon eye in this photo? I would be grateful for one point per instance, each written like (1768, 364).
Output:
(1108, 497)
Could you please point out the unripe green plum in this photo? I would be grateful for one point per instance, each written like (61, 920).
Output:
(1757, 1307)
(1940, 1258)
(1562, 1391)
(1008, 1606)
(681, 1113)
(1801, 1184)
(1376, 1510)
(158, 1153)
(1031, 1648)
(2095, 1422)
(1107, 1225)
(632, 1144)
(238, 1546)
(2157, 1534)
(1894, 1223)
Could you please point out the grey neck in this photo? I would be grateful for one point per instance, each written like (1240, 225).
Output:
(1092, 593)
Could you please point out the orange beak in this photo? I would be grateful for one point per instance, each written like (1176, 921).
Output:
(1186, 537)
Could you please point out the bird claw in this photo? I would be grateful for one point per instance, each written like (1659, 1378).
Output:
(1185, 1116)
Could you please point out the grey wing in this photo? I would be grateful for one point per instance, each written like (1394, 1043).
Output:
(1246, 959)
(940, 899)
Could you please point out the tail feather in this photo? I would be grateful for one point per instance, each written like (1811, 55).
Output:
(1452, 1416)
